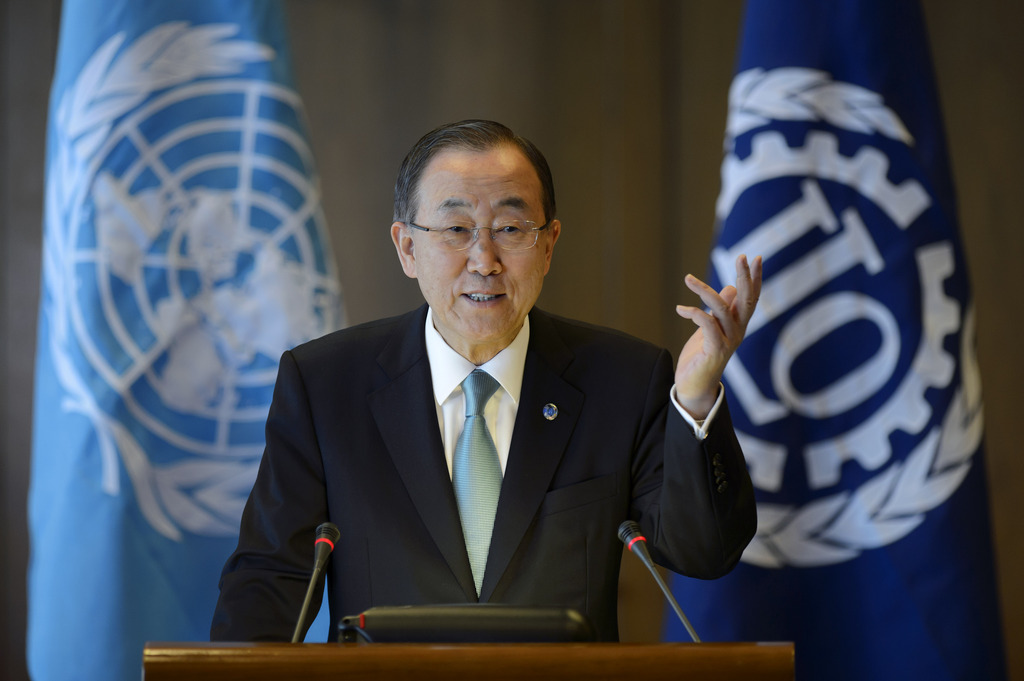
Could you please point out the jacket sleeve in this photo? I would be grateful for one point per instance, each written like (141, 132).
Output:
(264, 581)
(693, 498)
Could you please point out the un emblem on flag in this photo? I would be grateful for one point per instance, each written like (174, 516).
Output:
(186, 251)
(859, 406)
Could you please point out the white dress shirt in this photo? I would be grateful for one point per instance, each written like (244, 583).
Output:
(448, 369)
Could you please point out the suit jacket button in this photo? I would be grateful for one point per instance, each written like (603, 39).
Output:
(722, 487)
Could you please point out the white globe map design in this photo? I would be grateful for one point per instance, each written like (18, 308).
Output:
(186, 250)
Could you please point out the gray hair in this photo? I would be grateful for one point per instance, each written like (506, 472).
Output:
(473, 135)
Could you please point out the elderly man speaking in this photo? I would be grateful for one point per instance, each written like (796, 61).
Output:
(478, 449)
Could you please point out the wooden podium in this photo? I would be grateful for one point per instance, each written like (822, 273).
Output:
(483, 661)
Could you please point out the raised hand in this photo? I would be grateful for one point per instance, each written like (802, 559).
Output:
(720, 328)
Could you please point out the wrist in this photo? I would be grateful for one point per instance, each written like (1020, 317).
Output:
(697, 406)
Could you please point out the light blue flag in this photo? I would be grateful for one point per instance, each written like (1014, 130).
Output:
(184, 250)
(856, 392)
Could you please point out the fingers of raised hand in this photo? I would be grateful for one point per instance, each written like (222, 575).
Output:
(748, 285)
(707, 322)
(728, 311)
(721, 307)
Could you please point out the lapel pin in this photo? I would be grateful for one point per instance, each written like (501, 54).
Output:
(550, 411)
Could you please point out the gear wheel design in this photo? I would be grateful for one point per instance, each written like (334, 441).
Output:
(891, 504)
(771, 157)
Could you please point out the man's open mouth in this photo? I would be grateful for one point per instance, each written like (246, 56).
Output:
(482, 297)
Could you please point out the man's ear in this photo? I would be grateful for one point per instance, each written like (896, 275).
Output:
(404, 246)
(549, 243)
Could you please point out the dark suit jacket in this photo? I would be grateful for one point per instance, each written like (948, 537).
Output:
(352, 437)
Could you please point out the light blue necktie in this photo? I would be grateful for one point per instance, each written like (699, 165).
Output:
(476, 473)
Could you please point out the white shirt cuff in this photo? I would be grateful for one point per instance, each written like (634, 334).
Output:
(700, 428)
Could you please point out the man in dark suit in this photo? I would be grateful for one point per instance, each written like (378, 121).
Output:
(586, 426)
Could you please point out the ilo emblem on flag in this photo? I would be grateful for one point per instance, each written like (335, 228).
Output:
(185, 251)
(852, 415)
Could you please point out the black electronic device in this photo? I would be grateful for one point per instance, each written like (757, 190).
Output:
(466, 623)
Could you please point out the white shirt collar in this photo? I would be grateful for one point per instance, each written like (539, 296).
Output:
(448, 369)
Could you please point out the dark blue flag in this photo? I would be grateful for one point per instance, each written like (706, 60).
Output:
(184, 250)
(856, 392)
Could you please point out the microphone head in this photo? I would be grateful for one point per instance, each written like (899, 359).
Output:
(328, 531)
(327, 535)
(628, 531)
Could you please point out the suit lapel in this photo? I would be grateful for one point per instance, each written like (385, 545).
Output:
(411, 436)
(538, 444)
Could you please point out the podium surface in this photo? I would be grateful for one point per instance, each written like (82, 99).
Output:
(484, 661)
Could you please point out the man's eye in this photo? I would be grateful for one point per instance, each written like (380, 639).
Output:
(510, 229)
(457, 229)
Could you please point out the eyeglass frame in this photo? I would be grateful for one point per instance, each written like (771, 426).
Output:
(476, 234)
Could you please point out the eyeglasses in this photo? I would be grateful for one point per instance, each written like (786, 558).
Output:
(509, 235)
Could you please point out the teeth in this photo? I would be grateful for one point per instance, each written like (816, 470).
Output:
(481, 297)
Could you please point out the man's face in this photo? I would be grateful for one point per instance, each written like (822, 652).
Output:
(479, 296)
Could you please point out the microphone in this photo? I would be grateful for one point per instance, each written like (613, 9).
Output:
(326, 535)
(629, 534)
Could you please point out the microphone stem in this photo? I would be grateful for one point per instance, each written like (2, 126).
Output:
(672, 601)
(629, 533)
(305, 604)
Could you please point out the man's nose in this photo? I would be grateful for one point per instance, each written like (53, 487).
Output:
(484, 255)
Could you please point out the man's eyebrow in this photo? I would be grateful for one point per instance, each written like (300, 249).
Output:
(509, 202)
(513, 202)
(453, 203)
